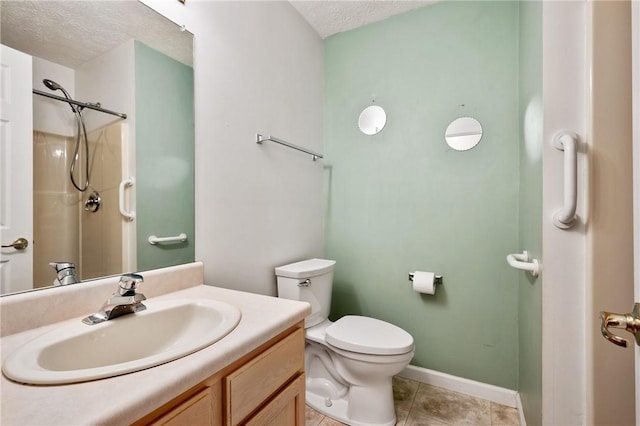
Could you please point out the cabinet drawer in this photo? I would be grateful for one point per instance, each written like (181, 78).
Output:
(249, 386)
(286, 408)
(197, 410)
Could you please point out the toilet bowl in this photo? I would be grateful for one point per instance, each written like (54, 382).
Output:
(349, 363)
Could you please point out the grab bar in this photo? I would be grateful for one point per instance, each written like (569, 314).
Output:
(521, 261)
(178, 238)
(129, 215)
(260, 139)
(566, 141)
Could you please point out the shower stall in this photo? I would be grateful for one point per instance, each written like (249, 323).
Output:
(77, 170)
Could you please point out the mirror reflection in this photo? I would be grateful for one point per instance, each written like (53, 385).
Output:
(372, 120)
(463, 133)
(91, 186)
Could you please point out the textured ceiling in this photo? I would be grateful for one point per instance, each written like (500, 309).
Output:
(71, 33)
(329, 17)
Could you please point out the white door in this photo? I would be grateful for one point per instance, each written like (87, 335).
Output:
(16, 174)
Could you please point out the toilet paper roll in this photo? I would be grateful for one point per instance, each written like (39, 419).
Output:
(424, 282)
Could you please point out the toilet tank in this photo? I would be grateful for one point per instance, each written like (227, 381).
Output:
(309, 281)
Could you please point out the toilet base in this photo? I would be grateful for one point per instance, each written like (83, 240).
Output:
(338, 407)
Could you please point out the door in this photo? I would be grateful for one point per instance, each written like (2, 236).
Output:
(16, 174)
(631, 322)
(635, 31)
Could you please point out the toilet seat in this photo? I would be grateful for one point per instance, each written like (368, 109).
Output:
(368, 336)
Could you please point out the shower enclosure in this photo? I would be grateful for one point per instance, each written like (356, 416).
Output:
(76, 177)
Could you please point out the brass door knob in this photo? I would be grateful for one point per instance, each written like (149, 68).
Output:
(19, 244)
(628, 322)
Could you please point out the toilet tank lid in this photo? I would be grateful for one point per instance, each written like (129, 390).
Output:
(306, 268)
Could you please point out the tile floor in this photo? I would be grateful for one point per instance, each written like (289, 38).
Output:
(419, 404)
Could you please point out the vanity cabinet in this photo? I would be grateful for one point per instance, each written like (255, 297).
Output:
(264, 387)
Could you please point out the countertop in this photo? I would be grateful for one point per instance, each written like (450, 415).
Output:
(124, 399)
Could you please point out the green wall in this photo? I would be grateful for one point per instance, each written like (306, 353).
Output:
(164, 157)
(402, 201)
(530, 211)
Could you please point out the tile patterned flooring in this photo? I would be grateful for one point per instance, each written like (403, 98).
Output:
(419, 404)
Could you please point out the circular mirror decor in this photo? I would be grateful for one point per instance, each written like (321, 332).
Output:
(372, 120)
(463, 133)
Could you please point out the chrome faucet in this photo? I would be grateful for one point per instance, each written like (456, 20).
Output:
(65, 273)
(123, 301)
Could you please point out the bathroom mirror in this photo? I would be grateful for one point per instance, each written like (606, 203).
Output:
(463, 133)
(372, 120)
(70, 38)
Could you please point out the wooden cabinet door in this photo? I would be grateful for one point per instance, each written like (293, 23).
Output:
(251, 385)
(199, 410)
(286, 408)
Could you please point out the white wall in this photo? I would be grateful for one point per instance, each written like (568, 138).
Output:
(49, 115)
(258, 69)
(564, 251)
(110, 80)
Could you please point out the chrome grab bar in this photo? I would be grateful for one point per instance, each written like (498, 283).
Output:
(260, 139)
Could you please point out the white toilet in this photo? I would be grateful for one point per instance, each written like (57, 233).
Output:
(349, 363)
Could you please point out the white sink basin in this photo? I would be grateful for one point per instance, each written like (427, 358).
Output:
(167, 330)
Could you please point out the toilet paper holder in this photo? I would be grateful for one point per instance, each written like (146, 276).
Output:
(437, 280)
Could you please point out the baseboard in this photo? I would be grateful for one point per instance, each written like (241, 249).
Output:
(492, 393)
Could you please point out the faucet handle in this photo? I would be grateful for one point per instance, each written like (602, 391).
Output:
(61, 266)
(129, 283)
(65, 273)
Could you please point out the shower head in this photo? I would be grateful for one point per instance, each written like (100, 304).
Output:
(52, 85)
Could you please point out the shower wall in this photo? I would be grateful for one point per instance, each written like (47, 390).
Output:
(101, 231)
(55, 206)
(402, 201)
(63, 230)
